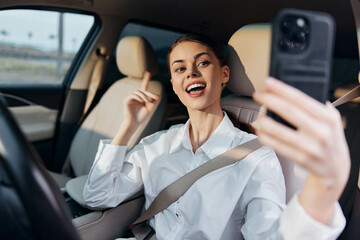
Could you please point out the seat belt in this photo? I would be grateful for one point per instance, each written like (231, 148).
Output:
(352, 94)
(96, 79)
(178, 188)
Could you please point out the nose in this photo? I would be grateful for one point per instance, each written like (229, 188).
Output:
(193, 72)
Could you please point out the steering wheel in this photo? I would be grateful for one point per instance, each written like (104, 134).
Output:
(31, 204)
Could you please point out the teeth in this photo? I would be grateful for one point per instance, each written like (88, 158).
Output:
(196, 85)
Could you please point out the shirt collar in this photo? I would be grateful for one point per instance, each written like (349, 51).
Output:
(218, 143)
(221, 139)
(181, 139)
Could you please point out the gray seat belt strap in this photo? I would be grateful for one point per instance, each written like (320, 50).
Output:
(354, 93)
(178, 188)
(96, 80)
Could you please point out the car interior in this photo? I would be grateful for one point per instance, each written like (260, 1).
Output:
(133, 56)
(50, 129)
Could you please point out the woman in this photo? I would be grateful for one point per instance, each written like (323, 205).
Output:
(242, 201)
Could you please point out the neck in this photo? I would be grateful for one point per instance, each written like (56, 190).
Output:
(203, 124)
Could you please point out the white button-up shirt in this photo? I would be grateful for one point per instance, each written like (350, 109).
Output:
(245, 200)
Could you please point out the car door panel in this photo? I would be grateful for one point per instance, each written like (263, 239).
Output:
(37, 122)
(35, 109)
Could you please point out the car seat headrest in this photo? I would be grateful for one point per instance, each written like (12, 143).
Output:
(248, 57)
(134, 56)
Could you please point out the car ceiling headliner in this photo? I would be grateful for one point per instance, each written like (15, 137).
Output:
(218, 18)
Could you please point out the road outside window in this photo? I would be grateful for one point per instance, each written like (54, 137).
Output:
(37, 47)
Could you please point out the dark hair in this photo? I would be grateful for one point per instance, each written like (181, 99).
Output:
(247, 127)
(216, 49)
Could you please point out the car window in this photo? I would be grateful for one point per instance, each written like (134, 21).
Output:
(37, 47)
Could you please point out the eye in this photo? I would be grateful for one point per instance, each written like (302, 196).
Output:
(180, 69)
(203, 63)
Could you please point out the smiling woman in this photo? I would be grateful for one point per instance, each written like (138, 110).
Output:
(164, 157)
(197, 75)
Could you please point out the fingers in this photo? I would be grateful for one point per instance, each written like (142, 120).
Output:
(143, 92)
(296, 97)
(145, 81)
(299, 109)
(318, 143)
(296, 145)
(144, 96)
(292, 153)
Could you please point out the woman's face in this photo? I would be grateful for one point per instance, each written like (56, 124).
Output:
(196, 76)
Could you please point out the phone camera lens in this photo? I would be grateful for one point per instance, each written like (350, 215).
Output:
(294, 33)
(287, 25)
(300, 22)
(301, 36)
(286, 43)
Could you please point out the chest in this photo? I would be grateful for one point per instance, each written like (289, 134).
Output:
(166, 168)
(212, 190)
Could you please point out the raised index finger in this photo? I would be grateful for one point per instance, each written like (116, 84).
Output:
(146, 81)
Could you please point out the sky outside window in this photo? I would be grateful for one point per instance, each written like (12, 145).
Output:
(39, 29)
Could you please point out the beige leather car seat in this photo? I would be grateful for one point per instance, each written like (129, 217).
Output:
(248, 57)
(134, 55)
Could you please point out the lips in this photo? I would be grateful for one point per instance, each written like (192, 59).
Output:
(196, 89)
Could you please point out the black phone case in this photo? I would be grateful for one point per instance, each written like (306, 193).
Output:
(303, 64)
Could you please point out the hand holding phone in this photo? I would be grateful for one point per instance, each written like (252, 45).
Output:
(301, 52)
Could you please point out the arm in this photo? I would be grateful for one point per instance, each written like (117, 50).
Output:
(267, 217)
(138, 106)
(318, 144)
(114, 175)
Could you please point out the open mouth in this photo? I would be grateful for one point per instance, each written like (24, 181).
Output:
(195, 88)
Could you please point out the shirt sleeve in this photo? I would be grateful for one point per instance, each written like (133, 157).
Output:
(267, 217)
(295, 223)
(114, 175)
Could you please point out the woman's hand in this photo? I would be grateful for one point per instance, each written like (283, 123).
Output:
(137, 108)
(318, 143)
(141, 103)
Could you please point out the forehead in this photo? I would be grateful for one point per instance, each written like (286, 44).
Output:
(188, 50)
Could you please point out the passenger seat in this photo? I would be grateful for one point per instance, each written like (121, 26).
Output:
(248, 57)
(134, 55)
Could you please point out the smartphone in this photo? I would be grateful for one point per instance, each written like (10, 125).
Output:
(301, 52)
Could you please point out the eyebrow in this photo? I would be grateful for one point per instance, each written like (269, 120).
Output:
(196, 57)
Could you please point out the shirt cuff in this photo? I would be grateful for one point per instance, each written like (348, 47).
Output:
(296, 223)
(109, 156)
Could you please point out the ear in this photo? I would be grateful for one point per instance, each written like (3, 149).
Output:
(225, 74)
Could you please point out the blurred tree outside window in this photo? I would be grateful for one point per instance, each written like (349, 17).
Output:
(37, 47)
